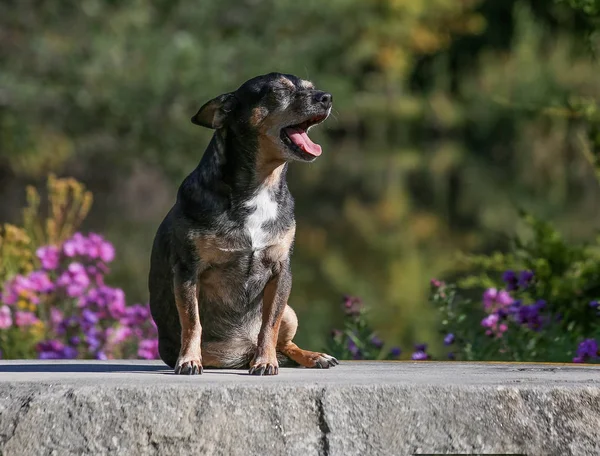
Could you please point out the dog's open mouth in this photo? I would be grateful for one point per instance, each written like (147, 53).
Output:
(296, 138)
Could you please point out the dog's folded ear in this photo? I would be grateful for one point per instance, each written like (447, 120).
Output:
(214, 113)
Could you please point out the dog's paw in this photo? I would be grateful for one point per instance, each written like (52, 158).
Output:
(188, 366)
(319, 360)
(266, 367)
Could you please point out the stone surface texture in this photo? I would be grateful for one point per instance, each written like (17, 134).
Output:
(357, 408)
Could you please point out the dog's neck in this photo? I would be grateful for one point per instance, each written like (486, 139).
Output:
(243, 165)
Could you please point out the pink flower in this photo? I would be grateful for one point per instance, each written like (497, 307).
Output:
(148, 349)
(75, 246)
(56, 316)
(494, 299)
(9, 296)
(75, 280)
(49, 257)
(107, 252)
(40, 282)
(118, 335)
(19, 287)
(5, 317)
(491, 322)
(25, 318)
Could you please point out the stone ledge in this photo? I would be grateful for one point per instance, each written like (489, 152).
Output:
(357, 408)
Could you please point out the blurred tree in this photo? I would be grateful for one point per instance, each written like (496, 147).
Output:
(437, 129)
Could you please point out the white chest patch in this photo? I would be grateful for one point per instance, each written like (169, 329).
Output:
(265, 210)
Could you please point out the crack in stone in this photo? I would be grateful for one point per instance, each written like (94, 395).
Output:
(323, 426)
(23, 409)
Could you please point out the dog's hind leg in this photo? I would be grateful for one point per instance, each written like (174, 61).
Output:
(287, 331)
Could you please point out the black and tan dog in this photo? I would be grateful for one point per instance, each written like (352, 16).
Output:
(220, 270)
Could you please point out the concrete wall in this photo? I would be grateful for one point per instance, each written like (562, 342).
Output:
(357, 408)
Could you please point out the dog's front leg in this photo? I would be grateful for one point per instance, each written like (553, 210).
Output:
(275, 296)
(186, 298)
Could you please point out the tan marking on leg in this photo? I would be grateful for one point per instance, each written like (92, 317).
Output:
(288, 327)
(305, 358)
(265, 360)
(190, 355)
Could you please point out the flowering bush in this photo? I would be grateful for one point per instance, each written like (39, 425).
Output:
(357, 340)
(54, 303)
(539, 302)
(65, 310)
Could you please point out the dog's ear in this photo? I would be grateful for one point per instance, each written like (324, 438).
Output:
(214, 113)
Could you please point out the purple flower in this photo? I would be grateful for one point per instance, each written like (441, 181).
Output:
(376, 341)
(69, 352)
(353, 349)
(101, 356)
(449, 339)
(148, 349)
(74, 341)
(395, 352)
(530, 315)
(54, 349)
(5, 317)
(23, 319)
(136, 315)
(419, 355)
(66, 324)
(93, 342)
(451, 356)
(49, 256)
(89, 317)
(50, 349)
(594, 304)
(511, 280)
(588, 349)
(525, 279)
(421, 347)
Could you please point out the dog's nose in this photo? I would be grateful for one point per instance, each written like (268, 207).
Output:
(324, 98)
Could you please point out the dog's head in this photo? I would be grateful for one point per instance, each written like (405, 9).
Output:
(275, 109)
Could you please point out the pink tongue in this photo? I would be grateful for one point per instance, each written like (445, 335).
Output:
(301, 139)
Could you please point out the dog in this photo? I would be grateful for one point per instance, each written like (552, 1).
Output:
(220, 274)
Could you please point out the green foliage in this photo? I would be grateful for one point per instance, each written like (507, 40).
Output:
(590, 7)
